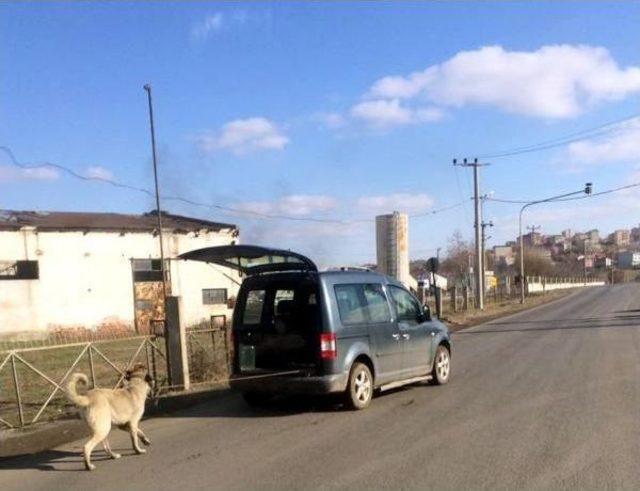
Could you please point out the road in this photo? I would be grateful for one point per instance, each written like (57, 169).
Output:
(546, 399)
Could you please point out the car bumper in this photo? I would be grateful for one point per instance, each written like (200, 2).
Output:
(279, 384)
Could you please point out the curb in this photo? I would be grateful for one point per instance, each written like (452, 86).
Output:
(45, 436)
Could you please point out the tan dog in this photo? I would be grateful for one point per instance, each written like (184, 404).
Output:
(121, 407)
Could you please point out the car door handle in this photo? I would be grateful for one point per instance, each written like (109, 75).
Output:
(395, 336)
(405, 336)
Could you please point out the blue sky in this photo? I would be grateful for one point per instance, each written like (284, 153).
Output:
(336, 111)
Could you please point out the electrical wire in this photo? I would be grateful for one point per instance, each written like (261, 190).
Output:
(213, 206)
(595, 132)
(586, 196)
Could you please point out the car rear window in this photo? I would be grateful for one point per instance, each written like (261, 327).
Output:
(253, 307)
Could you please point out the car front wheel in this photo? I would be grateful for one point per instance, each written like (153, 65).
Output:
(441, 366)
(360, 390)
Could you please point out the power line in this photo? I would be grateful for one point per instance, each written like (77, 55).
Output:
(588, 196)
(213, 206)
(597, 131)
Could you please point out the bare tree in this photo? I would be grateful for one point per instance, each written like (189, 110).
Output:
(456, 263)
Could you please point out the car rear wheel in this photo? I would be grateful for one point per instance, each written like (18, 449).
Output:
(360, 389)
(441, 366)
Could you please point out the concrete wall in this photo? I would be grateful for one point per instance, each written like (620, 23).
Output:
(536, 285)
(85, 279)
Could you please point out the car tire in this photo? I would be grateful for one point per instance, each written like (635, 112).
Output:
(441, 366)
(360, 389)
(255, 399)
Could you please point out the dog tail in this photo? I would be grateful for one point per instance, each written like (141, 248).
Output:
(72, 393)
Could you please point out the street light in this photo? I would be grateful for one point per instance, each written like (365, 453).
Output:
(587, 190)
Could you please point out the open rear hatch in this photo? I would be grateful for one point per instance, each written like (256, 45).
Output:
(251, 260)
(276, 322)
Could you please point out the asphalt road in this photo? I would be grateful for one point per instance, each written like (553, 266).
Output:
(546, 399)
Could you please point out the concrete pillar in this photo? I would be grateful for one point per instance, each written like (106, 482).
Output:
(177, 356)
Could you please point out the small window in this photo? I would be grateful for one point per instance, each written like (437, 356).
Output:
(19, 270)
(148, 269)
(350, 304)
(407, 306)
(253, 307)
(377, 305)
(214, 296)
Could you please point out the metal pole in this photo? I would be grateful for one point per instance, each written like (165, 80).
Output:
(16, 385)
(92, 369)
(478, 221)
(521, 256)
(147, 87)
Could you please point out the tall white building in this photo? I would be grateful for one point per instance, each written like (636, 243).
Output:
(392, 245)
(101, 271)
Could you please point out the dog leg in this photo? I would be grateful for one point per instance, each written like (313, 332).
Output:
(143, 437)
(133, 431)
(88, 448)
(107, 448)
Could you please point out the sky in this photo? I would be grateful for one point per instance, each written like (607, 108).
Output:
(300, 122)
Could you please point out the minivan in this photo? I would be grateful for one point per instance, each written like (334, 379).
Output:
(297, 330)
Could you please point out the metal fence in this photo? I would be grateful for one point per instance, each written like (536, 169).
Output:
(32, 378)
(208, 349)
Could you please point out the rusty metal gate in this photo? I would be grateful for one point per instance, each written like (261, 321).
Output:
(32, 379)
(208, 348)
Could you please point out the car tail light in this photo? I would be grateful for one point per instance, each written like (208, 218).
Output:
(328, 349)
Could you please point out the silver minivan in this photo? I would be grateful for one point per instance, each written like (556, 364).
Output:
(298, 330)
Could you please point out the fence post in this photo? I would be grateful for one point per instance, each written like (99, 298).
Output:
(454, 298)
(438, 295)
(177, 356)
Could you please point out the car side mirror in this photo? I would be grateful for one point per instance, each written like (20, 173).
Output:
(426, 312)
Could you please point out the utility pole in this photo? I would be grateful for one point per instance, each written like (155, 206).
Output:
(479, 268)
(147, 87)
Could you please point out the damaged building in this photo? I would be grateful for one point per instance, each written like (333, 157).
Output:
(102, 271)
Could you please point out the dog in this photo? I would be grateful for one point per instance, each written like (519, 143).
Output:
(102, 408)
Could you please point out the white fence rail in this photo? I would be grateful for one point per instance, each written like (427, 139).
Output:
(537, 284)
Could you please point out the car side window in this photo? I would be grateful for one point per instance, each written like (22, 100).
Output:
(407, 307)
(377, 305)
(350, 304)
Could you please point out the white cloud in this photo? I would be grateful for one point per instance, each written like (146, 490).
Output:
(620, 145)
(201, 30)
(402, 202)
(243, 136)
(11, 174)
(557, 81)
(331, 120)
(383, 113)
(295, 205)
(98, 172)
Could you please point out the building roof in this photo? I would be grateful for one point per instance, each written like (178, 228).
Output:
(113, 222)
